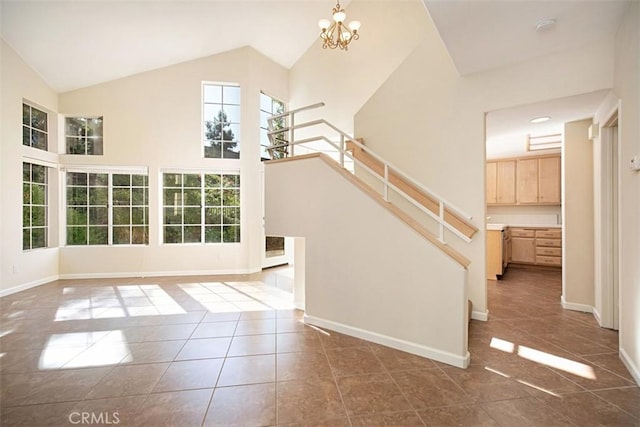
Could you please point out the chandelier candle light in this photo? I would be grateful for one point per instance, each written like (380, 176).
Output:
(336, 34)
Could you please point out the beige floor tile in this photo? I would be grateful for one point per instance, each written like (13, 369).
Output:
(178, 408)
(243, 405)
(248, 370)
(371, 394)
(464, 415)
(190, 374)
(353, 361)
(204, 348)
(252, 345)
(309, 401)
(129, 380)
(430, 388)
(404, 419)
(296, 366)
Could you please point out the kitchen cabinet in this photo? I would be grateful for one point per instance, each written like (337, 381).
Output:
(524, 181)
(501, 182)
(536, 246)
(498, 251)
(523, 246)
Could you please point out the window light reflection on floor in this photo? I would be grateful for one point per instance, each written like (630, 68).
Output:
(544, 358)
(116, 301)
(84, 349)
(223, 297)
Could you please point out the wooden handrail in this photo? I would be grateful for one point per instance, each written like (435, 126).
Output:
(459, 223)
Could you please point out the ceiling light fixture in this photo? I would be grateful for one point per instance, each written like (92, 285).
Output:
(336, 34)
(545, 24)
(540, 119)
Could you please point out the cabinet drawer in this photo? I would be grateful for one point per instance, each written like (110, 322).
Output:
(554, 243)
(553, 234)
(521, 232)
(549, 251)
(549, 260)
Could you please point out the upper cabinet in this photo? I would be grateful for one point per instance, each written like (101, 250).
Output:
(524, 181)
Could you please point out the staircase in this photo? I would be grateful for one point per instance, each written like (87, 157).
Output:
(372, 269)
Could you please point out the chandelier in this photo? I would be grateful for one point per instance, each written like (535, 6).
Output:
(336, 34)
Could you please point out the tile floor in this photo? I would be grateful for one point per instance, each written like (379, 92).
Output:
(218, 351)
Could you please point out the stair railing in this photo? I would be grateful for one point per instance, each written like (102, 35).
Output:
(341, 147)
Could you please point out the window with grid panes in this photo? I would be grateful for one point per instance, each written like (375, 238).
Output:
(270, 107)
(221, 121)
(34, 127)
(107, 208)
(34, 206)
(201, 208)
(83, 135)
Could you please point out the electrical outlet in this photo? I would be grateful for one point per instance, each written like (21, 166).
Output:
(635, 163)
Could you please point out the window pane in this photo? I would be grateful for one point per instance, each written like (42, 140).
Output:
(213, 234)
(38, 194)
(172, 180)
(212, 197)
(94, 146)
(264, 124)
(76, 235)
(98, 196)
(230, 216)
(140, 235)
(39, 174)
(98, 235)
(212, 180)
(99, 179)
(26, 194)
(231, 150)
(138, 216)
(232, 113)
(192, 180)
(231, 95)
(26, 171)
(76, 178)
(39, 238)
(26, 137)
(76, 196)
(121, 236)
(172, 197)
(173, 234)
(75, 126)
(138, 196)
(231, 181)
(212, 112)
(265, 102)
(121, 180)
(192, 234)
(26, 216)
(231, 198)
(121, 216)
(38, 119)
(139, 180)
(121, 196)
(232, 133)
(213, 216)
(192, 197)
(75, 145)
(172, 216)
(76, 216)
(26, 239)
(231, 234)
(192, 216)
(94, 126)
(99, 216)
(39, 216)
(39, 140)
(212, 93)
(26, 114)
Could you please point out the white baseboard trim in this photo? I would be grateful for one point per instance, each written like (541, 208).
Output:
(574, 306)
(480, 315)
(25, 286)
(596, 314)
(410, 347)
(633, 369)
(137, 274)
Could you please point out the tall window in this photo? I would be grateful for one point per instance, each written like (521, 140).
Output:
(201, 207)
(83, 135)
(34, 206)
(221, 117)
(107, 208)
(34, 127)
(269, 107)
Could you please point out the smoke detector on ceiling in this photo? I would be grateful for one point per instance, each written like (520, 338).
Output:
(545, 24)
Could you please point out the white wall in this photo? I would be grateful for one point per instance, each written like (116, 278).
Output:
(154, 119)
(577, 211)
(368, 273)
(20, 83)
(440, 116)
(345, 80)
(627, 88)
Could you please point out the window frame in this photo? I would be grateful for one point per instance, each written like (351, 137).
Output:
(31, 128)
(237, 125)
(85, 137)
(110, 205)
(203, 206)
(47, 185)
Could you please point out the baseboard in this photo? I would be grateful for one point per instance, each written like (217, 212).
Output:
(154, 274)
(596, 314)
(633, 369)
(409, 347)
(25, 286)
(575, 307)
(480, 315)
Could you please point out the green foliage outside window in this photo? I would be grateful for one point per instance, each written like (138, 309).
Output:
(34, 206)
(201, 208)
(34, 127)
(221, 113)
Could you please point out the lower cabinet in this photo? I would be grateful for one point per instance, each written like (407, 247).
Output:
(537, 246)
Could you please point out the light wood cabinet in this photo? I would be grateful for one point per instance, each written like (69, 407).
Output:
(524, 181)
(491, 183)
(536, 246)
(494, 254)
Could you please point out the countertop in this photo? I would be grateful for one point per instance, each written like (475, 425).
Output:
(500, 227)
